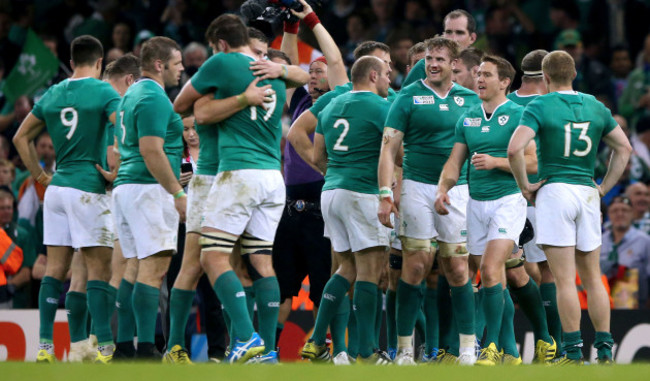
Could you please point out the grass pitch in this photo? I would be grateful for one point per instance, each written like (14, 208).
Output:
(309, 372)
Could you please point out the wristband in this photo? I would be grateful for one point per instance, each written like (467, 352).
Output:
(179, 194)
(311, 20)
(385, 192)
(285, 72)
(40, 175)
(241, 100)
(291, 27)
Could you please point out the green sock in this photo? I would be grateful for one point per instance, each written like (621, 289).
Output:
(267, 295)
(462, 301)
(421, 321)
(231, 335)
(431, 313)
(232, 296)
(77, 310)
(572, 344)
(110, 303)
(479, 320)
(379, 314)
(98, 301)
(365, 308)
(333, 294)
(125, 317)
(338, 325)
(180, 304)
(530, 302)
(278, 333)
(493, 307)
(250, 301)
(409, 302)
(549, 297)
(48, 302)
(391, 327)
(604, 343)
(446, 317)
(353, 332)
(507, 334)
(454, 338)
(145, 310)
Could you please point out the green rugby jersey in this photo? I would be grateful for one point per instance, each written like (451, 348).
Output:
(249, 139)
(326, 98)
(428, 123)
(489, 136)
(76, 112)
(353, 140)
(146, 110)
(417, 73)
(570, 126)
(524, 101)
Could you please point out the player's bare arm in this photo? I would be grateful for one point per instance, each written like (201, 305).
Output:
(320, 153)
(24, 142)
(336, 73)
(449, 176)
(113, 160)
(518, 143)
(293, 75)
(185, 99)
(151, 149)
(392, 141)
(482, 161)
(208, 110)
(621, 150)
(299, 133)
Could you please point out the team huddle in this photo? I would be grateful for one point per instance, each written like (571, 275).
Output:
(425, 188)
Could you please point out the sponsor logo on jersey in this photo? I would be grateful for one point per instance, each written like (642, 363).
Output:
(503, 119)
(424, 99)
(444, 107)
(485, 129)
(459, 101)
(472, 122)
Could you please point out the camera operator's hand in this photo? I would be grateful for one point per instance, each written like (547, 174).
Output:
(306, 9)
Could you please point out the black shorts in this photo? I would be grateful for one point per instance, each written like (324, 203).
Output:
(300, 249)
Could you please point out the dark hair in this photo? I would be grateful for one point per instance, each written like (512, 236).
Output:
(230, 28)
(86, 50)
(416, 49)
(274, 53)
(157, 48)
(367, 47)
(471, 21)
(504, 68)
(127, 64)
(363, 66)
(442, 42)
(257, 34)
(471, 57)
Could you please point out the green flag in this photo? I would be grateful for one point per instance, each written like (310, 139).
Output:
(35, 66)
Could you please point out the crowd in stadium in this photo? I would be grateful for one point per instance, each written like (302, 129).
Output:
(305, 75)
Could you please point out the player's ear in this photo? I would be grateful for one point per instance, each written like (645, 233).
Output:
(98, 63)
(72, 65)
(472, 38)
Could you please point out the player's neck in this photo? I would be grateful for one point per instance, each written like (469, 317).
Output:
(490, 105)
(244, 49)
(441, 88)
(555, 87)
(528, 89)
(154, 76)
(364, 87)
(83, 72)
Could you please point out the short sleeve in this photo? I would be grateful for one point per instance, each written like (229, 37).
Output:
(530, 116)
(610, 122)
(37, 110)
(460, 130)
(206, 79)
(322, 102)
(383, 114)
(319, 126)
(149, 122)
(112, 100)
(398, 116)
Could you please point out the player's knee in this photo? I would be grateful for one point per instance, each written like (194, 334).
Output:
(217, 242)
(413, 244)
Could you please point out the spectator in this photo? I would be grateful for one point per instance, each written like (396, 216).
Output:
(22, 107)
(635, 100)
(382, 23)
(142, 37)
(620, 64)
(32, 193)
(5, 147)
(336, 18)
(7, 173)
(639, 197)
(194, 55)
(112, 55)
(357, 32)
(178, 27)
(565, 15)
(593, 77)
(18, 283)
(122, 36)
(625, 248)
(400, 42)
(415, 19)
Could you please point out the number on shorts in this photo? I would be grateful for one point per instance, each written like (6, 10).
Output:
(346, 127)
(122, 126)
(72, 122)
(583, 136)
(269, 106)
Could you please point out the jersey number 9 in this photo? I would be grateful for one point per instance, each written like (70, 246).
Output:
(69, 122)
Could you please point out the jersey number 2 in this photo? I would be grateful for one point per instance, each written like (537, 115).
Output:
(583, 136)
(346, 127)
(69, 122)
